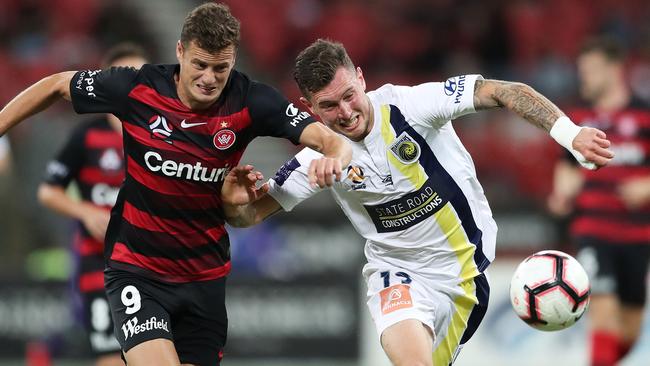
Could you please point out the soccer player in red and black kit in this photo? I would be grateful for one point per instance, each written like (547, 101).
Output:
(93, 159)
(611, 207)
(184, 126)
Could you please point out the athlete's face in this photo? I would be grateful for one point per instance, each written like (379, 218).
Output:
(126, 61)
(597, 74)
(343, 105)
(203, 75)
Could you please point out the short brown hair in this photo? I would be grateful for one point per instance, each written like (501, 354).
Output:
(122, 50)
(316, 65)
(611, 48)
(212, 27)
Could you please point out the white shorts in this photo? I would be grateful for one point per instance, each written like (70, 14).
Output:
(453, 311)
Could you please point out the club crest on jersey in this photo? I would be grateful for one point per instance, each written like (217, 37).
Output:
(405, 149)
(160, 129)
(355, 175)
(224, 139)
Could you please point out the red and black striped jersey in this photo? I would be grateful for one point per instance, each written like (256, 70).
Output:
(92, 158)
(601, 214)
(168, 222)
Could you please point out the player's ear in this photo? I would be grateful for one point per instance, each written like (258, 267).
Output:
(307, 104)
(179, 51)
(361, 78)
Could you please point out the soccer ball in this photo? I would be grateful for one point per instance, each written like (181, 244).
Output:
(550, 290)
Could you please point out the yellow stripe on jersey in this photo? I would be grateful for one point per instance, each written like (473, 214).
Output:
(452, 227)
(445, 351)
(413, 172)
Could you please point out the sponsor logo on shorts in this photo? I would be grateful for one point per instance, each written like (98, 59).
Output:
(395, 297)
(132, 326)
(224, 139)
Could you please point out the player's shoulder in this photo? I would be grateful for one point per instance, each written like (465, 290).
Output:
(257, 88)
(386, 93)
(155, 73)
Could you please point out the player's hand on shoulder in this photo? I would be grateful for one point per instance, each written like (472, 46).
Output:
(240, 186)
(324, 171)
(593, 145)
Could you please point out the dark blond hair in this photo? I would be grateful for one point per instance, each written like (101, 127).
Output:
(212, 27)
(316, 65)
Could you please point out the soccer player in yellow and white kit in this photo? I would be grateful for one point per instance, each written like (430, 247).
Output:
(411, 191)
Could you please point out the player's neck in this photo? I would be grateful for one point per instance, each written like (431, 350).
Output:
(614, 99)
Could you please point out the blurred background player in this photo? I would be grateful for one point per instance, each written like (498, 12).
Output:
(93, 159)
(411, 192)
(611, 207)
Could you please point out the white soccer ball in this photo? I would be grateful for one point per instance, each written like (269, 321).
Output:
(550, 290)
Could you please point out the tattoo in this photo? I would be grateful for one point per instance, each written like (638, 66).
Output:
(529, 104)
(519, 98)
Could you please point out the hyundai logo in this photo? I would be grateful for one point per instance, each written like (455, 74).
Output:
(450, 86)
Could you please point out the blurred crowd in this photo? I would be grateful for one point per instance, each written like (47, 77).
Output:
(398, 42)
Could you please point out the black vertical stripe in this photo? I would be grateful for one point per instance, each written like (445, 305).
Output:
(445, 184)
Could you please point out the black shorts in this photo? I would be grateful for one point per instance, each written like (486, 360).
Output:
(619, 269)
(99, 323)
(192, 315)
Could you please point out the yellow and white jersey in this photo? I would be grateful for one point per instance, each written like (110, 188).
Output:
(411, 189)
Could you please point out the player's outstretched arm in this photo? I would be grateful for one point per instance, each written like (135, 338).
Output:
(337, 154)
(244, 203)
(588, 145)
(35, 99)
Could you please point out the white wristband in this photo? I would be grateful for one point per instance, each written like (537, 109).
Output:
(564, 131)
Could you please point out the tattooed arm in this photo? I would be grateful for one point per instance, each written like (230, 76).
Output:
(519, 98)
(588, 145)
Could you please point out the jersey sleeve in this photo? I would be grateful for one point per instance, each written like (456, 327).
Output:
(290, 186)
(66, 165)
(102, 91)
(275, 116)
(435, 103)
